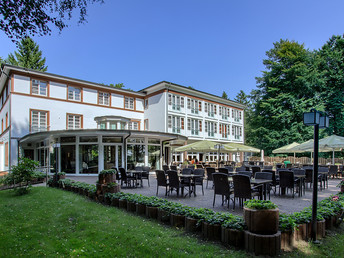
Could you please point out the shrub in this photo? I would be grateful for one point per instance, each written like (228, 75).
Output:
(260, 204)
(286, 222)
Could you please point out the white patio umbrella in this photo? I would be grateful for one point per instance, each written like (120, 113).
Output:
(287, 149)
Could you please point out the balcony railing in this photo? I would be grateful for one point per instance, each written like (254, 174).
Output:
(176, 129)
(35, 129)
(176, 107)
(194, 132)
(194, 110)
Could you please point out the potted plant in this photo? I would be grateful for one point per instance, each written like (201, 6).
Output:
(152, 204)
(61, 175)
(194, 217)
(261, 216)
(115, 198)
(320, 223)
(301, 220)
(177, 218)
(131, 202)
(287, 225)
(232, 231)
(141, 205)
(211, 225)
(164, 212)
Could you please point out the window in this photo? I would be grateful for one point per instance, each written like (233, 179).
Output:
(199, 106)
(210, 128)
(129, 103)
(6, 154)
(2, 125)
(182, 102)
(170, 99)
(169, 122)
(74, 121)
(74, 93)
(194, 106)
(210, 109)
(39, 120)
(176, 102)
(200, 126)
(39, 87)
(195, 126)
(6, 120)
(189, 103)
(224, 130)
(103, 98)
(189, 124)
(182, 123)
(113, 125)
(146, 125)
(133, 125)
(102, 125)
(146, 103)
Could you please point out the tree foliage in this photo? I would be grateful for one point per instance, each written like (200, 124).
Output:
(21, 18)
(224, 95)
(330, 62)
(285, 91)
(28, 56)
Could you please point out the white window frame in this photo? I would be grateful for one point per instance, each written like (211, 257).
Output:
(73, 120)
(39, 120)
(103, 98)
(73, 94)
(128, 103)
(38, 88)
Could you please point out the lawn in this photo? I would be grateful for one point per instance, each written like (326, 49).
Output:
(51, 222)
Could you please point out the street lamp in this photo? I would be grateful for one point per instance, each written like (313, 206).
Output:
(319, 121)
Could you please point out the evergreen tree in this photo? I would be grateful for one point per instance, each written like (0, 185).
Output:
(28, 56)
(224, 95)
(285, 91)
(331, 64)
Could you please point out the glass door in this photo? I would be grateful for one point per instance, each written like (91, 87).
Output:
(112, 156)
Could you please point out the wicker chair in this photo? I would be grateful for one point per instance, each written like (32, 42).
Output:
(145, 174)
(223, 170)
(125, 178)
(243, 189)
(264, 175)
(221, 187)
(174, 167)
(302, 172)
(230, 168)
(161, 180)
(287, 180)
(275, 181)
(333, 171)
(246, 173)
(255, 169)
(210, 172)
(174, 182)
(199, 180)
(165, 168)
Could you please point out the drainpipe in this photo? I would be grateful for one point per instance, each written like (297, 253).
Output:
(125, 149)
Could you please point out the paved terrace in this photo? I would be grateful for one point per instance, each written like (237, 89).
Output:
(286, 204)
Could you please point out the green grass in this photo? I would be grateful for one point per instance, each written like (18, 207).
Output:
(50, 222)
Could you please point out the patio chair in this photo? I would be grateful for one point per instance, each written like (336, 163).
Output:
(275, 180)
(287, 181)
(210, 172)
(261, 164)
(186, 171)
(323, 177)
(221, 187)
(174, 182)
(246, 173)
(161, 180)
(279, 165)
(145, 174)
(302, 172)
(264, 175)
(174, 167)
(165, 168)
(243, 189)
(199, 166)
(199, 180)
(340, 170)
(333, 171)
(223, 170)
(255, 169)
(242, 168)
(230, 168)
(125, 178)
(192, 167)
(267, 167)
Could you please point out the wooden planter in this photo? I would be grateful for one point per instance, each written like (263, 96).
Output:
(342, 188)
(61, 177)
(320, 229)
(99, 188)
(163, 216)
(191, 225)
(140, 209)
(337, 219)
(264, 222)
(113, 189)
(109, 178)
(300, 232)
(122, 204)
(211, 232)
(177, 220)
(101, 179)
(152, 212)
(100, 198)
(232, 237)
(115, 202)
(107, 200)
(287, 240)
(329, 223)
(131, 206)
(263, 244)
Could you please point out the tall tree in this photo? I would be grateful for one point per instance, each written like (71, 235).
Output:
(28, 56)
(245, 99)
(331, 64)
(21, 18)
(285, 91)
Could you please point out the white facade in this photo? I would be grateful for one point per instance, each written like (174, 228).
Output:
(34, 101)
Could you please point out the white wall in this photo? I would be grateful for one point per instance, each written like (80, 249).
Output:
(22, 84)
(90, 96)
(58, 90)
(156, 112)
(117, 100)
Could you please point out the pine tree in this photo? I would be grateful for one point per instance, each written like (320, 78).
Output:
(28, 56)
(224, 95)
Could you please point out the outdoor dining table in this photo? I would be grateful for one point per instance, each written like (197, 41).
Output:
(301, 178)
(192, 187)
(137, 175)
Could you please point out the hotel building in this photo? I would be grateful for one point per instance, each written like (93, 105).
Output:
(81, 127)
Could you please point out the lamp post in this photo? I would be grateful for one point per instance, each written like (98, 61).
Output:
(319, 121)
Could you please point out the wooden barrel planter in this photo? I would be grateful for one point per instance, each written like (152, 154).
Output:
(211, 231)
(115, 202)
(232, 237)
(163, 216)
(287, 240)
(152, 212)
(263, 222)
(177, 220)
(337, 219)
(300, 232)
(109, 178)
(107, 200)
(101, 179)
(263, 244)
(131, 206)
(122, 204)
(99, 188)
(191, 225)
(329, 223)
(100, 198)
(140, 209)
(320, 229)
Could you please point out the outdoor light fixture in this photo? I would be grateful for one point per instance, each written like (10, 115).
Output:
(319, 120)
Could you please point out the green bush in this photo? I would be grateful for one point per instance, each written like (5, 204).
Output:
(260, 204)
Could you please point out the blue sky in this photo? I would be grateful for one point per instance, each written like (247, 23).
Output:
(213, 46)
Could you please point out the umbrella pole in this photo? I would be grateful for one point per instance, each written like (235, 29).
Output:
(333, 157)
(294, 157)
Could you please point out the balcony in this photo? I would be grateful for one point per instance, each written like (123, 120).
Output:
(176, 107)
(194, 132)
(176, 129)
(35, 128)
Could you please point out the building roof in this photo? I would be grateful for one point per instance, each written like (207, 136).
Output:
(191, 91)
